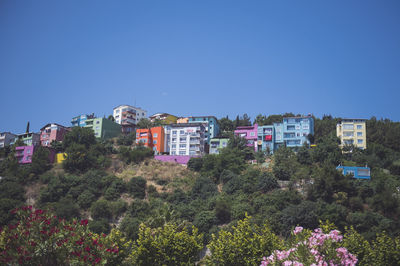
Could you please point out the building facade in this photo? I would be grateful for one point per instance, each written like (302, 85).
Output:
(164, 118)
(28, 138)
(153, 138)
(187, 139)
(296, 130)
(352, 132)
(24, 154)
(128, 116)
(104, 128)
(6, 138)
(216, 144)
(266, 139)
(249, 133)
(357, 172)
(52, 132)
(210, 124)
(80, 120)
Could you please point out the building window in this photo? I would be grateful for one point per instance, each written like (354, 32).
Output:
(290, 127)
(155, 135)
(173, 132)
(154, 141)
(182, 152)
(360, 141)
(348, 134)
(173, 139)
(182, 146)
(182, 132)
(252, 134)
(182, 139)
(173, 146)
(348, 126)
(97, 122)
(173, 153)
(359, 134)
(359, 126)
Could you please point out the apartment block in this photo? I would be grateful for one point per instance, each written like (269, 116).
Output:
(80, 120)
(187, 139)
(128, 116)
(52, 132)
(6, 138)
(216, 144)
(352, 132)
(266, 138)
(210, 124)
(296, 130)
(29, 138)
(103, 128)
(24, 154)
(153, 138)
(164, 118)
(249, 133)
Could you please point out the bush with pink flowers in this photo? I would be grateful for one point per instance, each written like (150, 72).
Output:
(40, 238)
(312, 248)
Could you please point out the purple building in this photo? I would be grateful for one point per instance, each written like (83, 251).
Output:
(24, 154)
(249, 133)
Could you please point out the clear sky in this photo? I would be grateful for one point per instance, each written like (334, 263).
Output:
(59, 59)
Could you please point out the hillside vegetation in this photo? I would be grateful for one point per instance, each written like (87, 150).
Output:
(115, 184)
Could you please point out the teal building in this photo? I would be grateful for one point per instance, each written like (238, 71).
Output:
(103, 128)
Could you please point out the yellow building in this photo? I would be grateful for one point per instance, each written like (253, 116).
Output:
(352, 132)
(164, 117)
(183, 120)
(61, 157)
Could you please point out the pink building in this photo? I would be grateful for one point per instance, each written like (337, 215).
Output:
(24, 154)
(249, 133)
(51, 132)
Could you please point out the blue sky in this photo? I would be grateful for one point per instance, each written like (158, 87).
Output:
(59, 59)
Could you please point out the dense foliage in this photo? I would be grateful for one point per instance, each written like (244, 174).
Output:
(290, 188)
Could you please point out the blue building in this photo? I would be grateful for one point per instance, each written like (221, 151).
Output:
(266, 138)
(210, 123)
(296, 130)
(357, 172)
(80, 120)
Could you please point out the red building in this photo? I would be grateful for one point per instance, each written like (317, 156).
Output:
(51, 132)
(153, 138)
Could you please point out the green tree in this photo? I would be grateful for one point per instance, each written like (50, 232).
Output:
(245, 244)
(168, 245)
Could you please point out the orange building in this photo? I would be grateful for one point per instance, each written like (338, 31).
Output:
(153, 138)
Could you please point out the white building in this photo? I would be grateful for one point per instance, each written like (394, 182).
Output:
(128, 116)
(6, 138)
(186, 139)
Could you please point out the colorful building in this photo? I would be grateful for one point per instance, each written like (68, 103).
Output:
(266, 138)
(357, 172)
(6, 138)
(24, 154)
(52, 132)
(352, 132)
(128, 116)
(182, 120)
(60, 157)
(296, 130)
(29, 138)
(153, 138)
(80, 120)
(104, 128)
(249, 133)
(164, 118)
(187, 139)
(210, 124)
(216, 144)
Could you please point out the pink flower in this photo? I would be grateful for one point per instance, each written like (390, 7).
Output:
(297, 230)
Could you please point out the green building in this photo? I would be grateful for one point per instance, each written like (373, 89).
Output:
(217, 143)
(103, 128)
